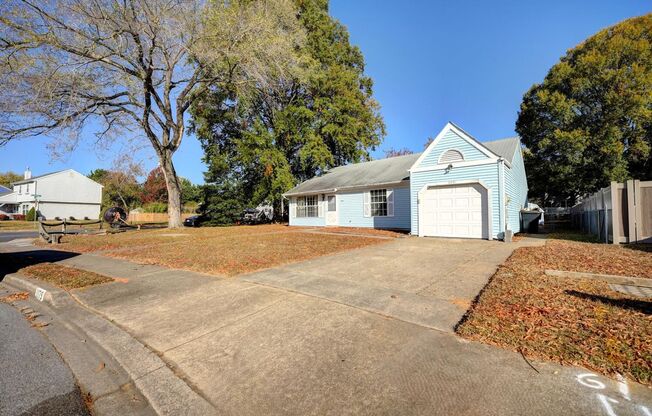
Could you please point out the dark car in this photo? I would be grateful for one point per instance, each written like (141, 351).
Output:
(194, 221)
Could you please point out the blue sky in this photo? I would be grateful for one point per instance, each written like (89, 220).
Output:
(469, 62)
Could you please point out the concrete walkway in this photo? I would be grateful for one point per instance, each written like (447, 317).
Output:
(285, 341)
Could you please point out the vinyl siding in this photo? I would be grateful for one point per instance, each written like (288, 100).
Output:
(350, 210)
(305, 221)
(451, 141)
(488, 174)
(516, 190)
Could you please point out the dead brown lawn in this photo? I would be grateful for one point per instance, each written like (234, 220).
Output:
(64, 277)
(581, 322)
(218, 250)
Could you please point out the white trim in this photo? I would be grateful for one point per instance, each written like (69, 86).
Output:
(396, 184)
(452, 127)
(456, 165)
(455, 183)
(501, 192)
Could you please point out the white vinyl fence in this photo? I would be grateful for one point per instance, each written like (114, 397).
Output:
(619, 213)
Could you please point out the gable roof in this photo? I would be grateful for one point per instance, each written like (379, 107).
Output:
(504, 147)
(4, 190)
(393, 170)
(376, 172)
(37, 177)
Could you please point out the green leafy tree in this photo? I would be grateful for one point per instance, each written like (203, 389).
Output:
(6, 178)
(590, 121)
(266, 141)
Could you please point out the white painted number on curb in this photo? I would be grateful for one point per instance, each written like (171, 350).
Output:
(590, 380)
(40, 294)
(606, 402)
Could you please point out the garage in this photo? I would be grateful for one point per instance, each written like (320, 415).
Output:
(454, 211)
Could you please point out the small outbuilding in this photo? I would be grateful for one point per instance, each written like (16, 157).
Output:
(458, 187)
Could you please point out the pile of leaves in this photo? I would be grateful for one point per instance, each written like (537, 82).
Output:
(63, 276)
(579, 322)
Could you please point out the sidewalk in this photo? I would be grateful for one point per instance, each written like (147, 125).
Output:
(245, 348)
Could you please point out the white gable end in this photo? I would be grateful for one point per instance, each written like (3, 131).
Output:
(453, 146)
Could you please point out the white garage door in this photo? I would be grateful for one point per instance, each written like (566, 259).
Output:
(453, 211)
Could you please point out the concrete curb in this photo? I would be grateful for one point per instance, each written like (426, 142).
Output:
(167, 394)
(609, 278)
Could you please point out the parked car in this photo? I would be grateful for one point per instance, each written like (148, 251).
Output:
(195, 220)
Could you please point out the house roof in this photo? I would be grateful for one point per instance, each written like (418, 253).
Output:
(37, 177)
(504, 147)
(4, 190)
(384, 171)
(375, 172)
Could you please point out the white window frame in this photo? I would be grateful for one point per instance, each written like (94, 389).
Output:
(369, 203)
(306, 210)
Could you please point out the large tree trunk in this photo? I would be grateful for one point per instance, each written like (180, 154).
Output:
(174, 191)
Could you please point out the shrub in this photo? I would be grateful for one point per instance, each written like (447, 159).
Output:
(31, 215)
(4, 217)
(19, 217)
(156, 207)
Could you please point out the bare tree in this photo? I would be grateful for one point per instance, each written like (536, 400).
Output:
(125, 67)
(391, 152)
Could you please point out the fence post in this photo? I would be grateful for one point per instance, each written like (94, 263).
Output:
(616, 214)
(637, 210)
(631, 211)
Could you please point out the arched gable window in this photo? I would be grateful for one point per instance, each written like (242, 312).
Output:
(450, 156)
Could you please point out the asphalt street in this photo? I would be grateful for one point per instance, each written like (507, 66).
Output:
(34, 380)
(14, 235)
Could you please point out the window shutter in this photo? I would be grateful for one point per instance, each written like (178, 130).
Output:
(320, 206)
(390, 202)
(367, 204)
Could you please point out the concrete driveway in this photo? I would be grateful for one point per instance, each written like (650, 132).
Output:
(429, 282)
(363, 332)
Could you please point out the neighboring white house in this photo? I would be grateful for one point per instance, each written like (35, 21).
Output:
(63, 194)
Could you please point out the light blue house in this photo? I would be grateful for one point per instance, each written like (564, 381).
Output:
(458, 187)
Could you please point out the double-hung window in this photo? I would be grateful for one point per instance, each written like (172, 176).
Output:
(378, 202)
(307, 206)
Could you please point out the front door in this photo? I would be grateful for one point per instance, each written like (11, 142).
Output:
(331, 210)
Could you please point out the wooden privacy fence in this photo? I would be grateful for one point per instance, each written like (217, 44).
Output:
(134, 217)
(619, 213)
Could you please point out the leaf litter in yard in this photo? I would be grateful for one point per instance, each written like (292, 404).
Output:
(224, 250)
(14, 297)
(63, 276)
(580, 322)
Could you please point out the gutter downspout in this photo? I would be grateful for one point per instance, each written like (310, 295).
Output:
(501, 197)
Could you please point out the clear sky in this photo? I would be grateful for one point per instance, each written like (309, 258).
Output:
(469, 62)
